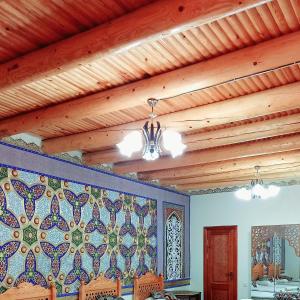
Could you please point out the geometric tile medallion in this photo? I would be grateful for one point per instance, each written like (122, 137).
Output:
(57, 231)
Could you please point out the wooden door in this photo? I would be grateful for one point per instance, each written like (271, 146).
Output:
(220, 263)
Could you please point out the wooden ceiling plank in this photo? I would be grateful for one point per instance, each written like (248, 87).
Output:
(148, 23)
(242, 181)
(107, 156)
(227, 136)
(236, 174)
(232, 110)
(210, 186)
(288, 157)
(261, 147)
(248, 61)
(243, 133)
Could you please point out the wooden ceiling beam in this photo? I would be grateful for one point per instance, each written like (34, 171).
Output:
(148, 23)
(247, 61)
(236, 109)
(288, 157)
(227, 136)
(107, 156)
(236, 174)
(261, 147)
(243, 181)
(209, 186)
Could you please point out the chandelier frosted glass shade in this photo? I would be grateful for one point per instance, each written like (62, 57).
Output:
(153, 141)
(132, 142)
(257, 191)
(172, 142)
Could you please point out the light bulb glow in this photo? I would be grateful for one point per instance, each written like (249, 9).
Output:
(148, 155)
(131, 143)
(150, 141)
(273, 190)
(243, 194)
(264, 193)
(257, 191)
(172, 142)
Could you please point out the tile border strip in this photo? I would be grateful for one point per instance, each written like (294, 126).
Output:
(93, 169)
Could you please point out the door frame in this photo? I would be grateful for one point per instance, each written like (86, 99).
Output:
(235, 260)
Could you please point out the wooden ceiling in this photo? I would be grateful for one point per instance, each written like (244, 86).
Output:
(78, 74)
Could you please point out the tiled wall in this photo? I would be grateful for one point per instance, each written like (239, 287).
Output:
(74, 197)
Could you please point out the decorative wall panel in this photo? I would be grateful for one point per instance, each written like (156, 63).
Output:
(62, 231)
(262, 234)
(174, 227)
(275, 261)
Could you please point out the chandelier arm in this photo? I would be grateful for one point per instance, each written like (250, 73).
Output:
(152, 134)
(158, 131)
(146, 135)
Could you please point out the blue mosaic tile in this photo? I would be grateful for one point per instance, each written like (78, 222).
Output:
(65, 231)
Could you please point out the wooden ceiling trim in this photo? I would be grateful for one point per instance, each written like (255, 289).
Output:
(150, 22)
(241, 108)
(236, 174)
(259, 58)
(226, 136)
(288, 157)
(261, 147)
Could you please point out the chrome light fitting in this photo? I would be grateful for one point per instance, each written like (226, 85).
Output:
(257, 190)
(153, 140)
(152, 135)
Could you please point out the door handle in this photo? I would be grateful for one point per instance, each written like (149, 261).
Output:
(230, 275)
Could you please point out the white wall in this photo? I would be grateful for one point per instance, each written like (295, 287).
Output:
(226, 209)
(292, 262)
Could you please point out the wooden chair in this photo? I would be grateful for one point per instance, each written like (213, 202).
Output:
(100, 286)
(274, 271)
(28, 291)
(146, 284)
(257, 272)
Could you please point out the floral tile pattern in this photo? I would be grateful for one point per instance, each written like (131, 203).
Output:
(57, 231)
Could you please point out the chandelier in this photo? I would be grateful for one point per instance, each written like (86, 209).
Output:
(257, 190)
(152, 139)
